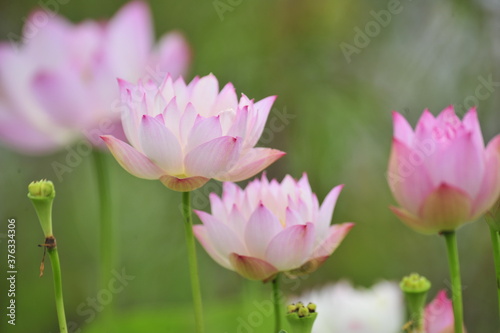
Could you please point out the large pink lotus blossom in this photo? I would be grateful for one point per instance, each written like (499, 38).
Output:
(441, 174)
(184, 135)
(270, 227)
(439, 316)
(59, 82)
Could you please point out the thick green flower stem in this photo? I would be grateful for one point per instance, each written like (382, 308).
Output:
(193, 265)
(452, 249)
(105, 220)
(277, 304)
(56, 271)
(496, 256)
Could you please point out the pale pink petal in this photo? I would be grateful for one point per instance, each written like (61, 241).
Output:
(445, 209)
(201, 234)
(213, 159)
(402, 129)
(253, 162)
(439, 314)
(204, 130)
(326, 210)
(292, 247)
(239, 125)
(230, 193)
(187, 120)
(204, 94)
(408, 177)
(293, 217)
(261, 228)
(129, 40)
(217, 207)
(62, 96)
(221, 236)
(304, 185)
(226, 100)
(172, 117)
(166, 88)
(261, 111)
(183, 184)
(237, 221)
(161, 146)
(48, 44)
(172, 56)
(335, 236)
(252, 268)
(471, 124)
(132, 160)
(181, 92)
(490, 185)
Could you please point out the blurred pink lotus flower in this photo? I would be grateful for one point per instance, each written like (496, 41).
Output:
(270, 227)
(59, 83)
(439, 315)
(441, 174)
(184, 135)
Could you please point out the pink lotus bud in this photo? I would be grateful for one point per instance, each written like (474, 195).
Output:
(439, 315)
(184, 135)
(441, 174)
(270, 227)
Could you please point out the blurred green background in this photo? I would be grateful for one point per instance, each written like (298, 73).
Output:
(431, 54)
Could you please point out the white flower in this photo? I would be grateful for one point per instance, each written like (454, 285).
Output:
(344, 309)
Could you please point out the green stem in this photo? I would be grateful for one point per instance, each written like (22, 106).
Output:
(277, 304)
(452, 249)
(193, 266)
(496, 256)
(105, 220)
(56, 269)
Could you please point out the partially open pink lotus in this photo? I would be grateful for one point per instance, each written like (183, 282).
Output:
(58, 83)
(441, 174)
(184, 135)
(270, 227)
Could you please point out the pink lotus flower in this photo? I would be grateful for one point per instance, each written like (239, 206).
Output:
(60, 80)
(270, 227)
(184, 135)
(441, 174)
(439, 315)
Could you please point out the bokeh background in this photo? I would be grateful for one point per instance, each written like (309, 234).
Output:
(430, 55)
